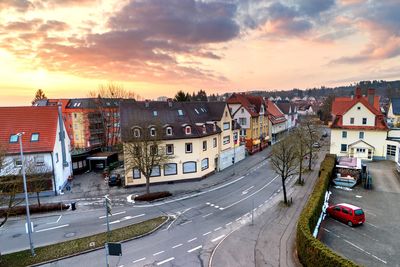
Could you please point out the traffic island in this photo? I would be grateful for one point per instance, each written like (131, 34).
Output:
(82, 245)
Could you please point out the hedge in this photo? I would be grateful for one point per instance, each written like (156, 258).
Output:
(76, 246)
(311, 251)
(153, 196)
(46, 207)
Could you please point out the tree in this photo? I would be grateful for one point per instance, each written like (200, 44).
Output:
(284, 161)
(200, 96)
(312, 133)
(145, 151)
(301, 149)
(38, 178)
(182, 97)
(325, 113)
(39, 95)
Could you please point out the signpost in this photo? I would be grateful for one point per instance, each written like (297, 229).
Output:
(107, 204)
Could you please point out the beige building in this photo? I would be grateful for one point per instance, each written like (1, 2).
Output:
(198, 136)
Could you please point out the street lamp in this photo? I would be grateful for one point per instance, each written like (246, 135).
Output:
(28, 218)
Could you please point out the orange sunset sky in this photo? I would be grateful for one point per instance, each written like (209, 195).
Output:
(157, 47)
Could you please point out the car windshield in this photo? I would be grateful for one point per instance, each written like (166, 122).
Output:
(358, 212)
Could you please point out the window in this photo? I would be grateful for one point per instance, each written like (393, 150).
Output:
(39, 160)
(153, 132)
(180, 112)
(76, 137)
(196, 111)
(136, 173)
(57, 159)
(361, 135)
(189, 167)
(344, 134)
(204, 164)
(188, 148)
(351, 120)
(243, 132)
(188, 130)
(170, 149)
(170, 169)
(227, 126)
(153, 150)
(360, 150)
(14, 138)
(242, 121)
(136, 133)
(155, 113)
(390, 150)
(34, 137)
(155, 171)
(169, 131)
(358, 108)
(235, 137)
(214, 142)
(204, 129)
(226, 140)
(242, 110)
(346, 211)
(226, 113)
(343, 148)
(136, 151)
(204, 145)
(336, 208)
(364, 121)
(18, 162)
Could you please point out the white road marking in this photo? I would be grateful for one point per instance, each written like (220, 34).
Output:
(247, 214)
(193, 239)
(52, 228)
(366, 252)
(357, 196)
(216, 229)
(177, 246)
(373, 225)
(208, 203)
(126, 218)
(186, 222)
(165, 261)
(206, 233)
(59, 217)
(193, 249)
(207, 215)
(228, 224)
(221, 208)
(217, 207)
(379, 259)
(247, 190)
(260, 205)
(370, 213)
(212, 205)
(238, 219)
(117, 213)
(158, 253)
(142, 259)
(217, 238)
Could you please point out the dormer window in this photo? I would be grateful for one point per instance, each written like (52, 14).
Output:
(14, 138)
(169, 131)
(35, 137)
(136, 133)
(153, 131)
(180, 112)
(155, 113)
(188, 130)
(204, 129)
(215, 127)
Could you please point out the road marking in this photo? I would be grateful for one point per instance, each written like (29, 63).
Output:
(52, 228)
(208, 203)
(247, 190)
(260, 205)
(373, 225)
(207, 215)
(142, 259)
(217, 238)
(177, 246)
(357, 196)
(367, 211)
(212, 205)
(165, 261)
(125, 218)
(118, 213)
(366, 252)
(217, 207)
(193, 239)
(216, 229)
(228, 224)
(206, 233)
(238, 219)
(379, 259)
(193, 249)
(186, 222)
(221, 208)
(59, 217)
(158, 253)
(247, 214)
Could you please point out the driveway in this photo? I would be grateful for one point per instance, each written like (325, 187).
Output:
(376, 242)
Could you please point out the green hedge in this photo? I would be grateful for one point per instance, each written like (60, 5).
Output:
(76, 246)
(311, 251)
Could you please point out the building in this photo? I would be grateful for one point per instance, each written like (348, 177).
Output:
(250, 112)
(290, 112)
(277, 122)
(358, 128)
(393, 113)
(46, 145)
(200, 136)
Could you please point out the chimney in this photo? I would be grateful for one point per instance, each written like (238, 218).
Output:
(371, 96)
(358, 92)
(147, 103)
(169, 100)
(62, 136)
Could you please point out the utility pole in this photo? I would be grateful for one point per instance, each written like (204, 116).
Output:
(107, 204)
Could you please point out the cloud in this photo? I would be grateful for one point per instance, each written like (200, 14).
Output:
(18, 5)
(26, 25)
(53, 25)
(314, 7)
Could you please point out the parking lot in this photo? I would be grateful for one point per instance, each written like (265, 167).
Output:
(376, 243)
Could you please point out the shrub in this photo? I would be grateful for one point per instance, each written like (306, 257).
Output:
(311, 251)
(20, 210)
(153, 196)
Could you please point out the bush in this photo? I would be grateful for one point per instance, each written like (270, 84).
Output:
(20, 210)
(311, 251)
(153, 196)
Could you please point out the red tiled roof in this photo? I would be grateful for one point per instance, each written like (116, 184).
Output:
(244, 101)
(342, 104)
(274, 114)
(41, 120)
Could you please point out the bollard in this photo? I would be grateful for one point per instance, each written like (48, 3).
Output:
(73, 206)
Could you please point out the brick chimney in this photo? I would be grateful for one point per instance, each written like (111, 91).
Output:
(358, 92)
(371, 96)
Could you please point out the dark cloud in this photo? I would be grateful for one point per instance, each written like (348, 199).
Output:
(26, 25)
(18, 5)
(53, 25)
(314, 7)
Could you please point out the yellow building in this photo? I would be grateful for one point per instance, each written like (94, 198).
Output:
(198, 137)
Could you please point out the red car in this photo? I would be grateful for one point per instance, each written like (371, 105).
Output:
(347, 213)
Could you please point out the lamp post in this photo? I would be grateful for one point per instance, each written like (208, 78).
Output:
(28, 218)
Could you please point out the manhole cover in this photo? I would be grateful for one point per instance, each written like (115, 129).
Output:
(69, 235)
(16, 235)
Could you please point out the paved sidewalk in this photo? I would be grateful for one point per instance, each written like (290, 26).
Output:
(270, 241)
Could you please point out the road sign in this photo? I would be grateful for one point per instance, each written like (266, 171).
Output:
(114, 249)
(108, 205)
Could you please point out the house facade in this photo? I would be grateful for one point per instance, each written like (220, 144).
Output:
(250, 113)
(358, 128)
(393, 113)
(198, 136)
(290, 112)
(46, 146)
(277, 122)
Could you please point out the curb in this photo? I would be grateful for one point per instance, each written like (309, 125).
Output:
(102, 247)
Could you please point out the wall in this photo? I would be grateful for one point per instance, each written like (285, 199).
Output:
(226, 118)
(225, 159)
(79, 129)
(9, 167)
(358, 115)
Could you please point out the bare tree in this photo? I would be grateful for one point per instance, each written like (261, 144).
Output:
(312, 133)
(38, 178)
(145, 151)
(284, 161)
(301, 149)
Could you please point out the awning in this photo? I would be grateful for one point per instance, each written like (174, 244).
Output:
(256, 142)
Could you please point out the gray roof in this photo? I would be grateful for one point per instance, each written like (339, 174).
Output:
(91, 103)
(396, 106)
(285, 107)
(179, 114)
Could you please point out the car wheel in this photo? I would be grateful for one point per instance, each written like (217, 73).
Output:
(349, 223)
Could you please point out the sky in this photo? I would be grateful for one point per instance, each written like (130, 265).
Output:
(157, 47)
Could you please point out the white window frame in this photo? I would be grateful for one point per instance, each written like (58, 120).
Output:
(191, 169)
(168, 131)
(167, 173)
(204, 164)
(191, 148)
(188, 130)
(172, 149)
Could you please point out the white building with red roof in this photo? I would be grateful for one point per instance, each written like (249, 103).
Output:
(46, 146)
(277, 121)
(359, 128)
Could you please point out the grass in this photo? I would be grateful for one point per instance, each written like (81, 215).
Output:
(67, 248)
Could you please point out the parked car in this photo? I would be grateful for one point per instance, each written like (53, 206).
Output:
(347, 213)
(316, 145)
(325, 134)
(114, 179)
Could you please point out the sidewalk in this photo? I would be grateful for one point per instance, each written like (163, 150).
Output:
(270, 241)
